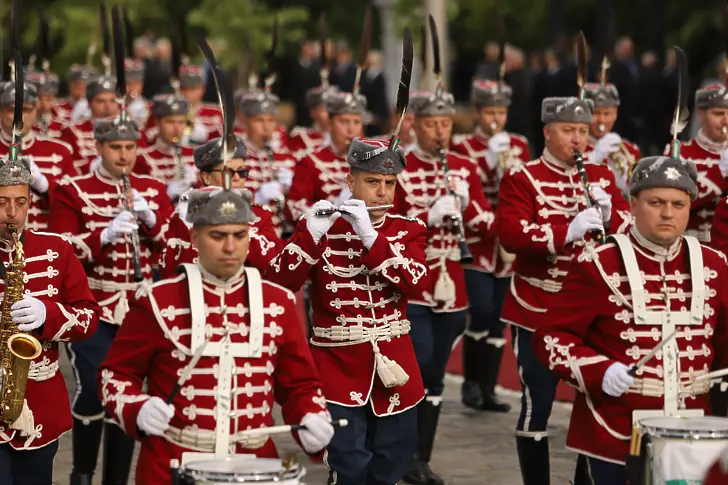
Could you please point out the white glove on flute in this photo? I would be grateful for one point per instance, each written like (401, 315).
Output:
(154, 416)
(318, 432)
(354, 211)
(143, 211)
(602, 200)
(498, 143)
(585, 221)
(617, 380)
(319, 226)
(28, 313)
(122, 224)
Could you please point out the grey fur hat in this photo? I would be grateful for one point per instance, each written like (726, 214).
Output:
(567, 110)
(45, 82)
(317, 96)
(209, 155)
(712, 96)
(120, 128)
(169, 105)
(339, 103)
(490, 93)
(134, 69)
(664, 171)
(78, 72)
(7, 93)
(375, 156)
(605, 96)
(191, 76)
(256, 103)
(98, 85)
(14, 172)
(218, 207)
(424, 103)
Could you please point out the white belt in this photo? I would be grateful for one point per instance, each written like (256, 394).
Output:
(42, 372)
(204, 439)
(358, 334)
(656, 387)
(111, 286)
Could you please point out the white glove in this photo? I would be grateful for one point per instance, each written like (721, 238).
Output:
(344, 195)
(318, 432)
(138, 110)
(200, 133)
(723, 164)
(176, 188)
(40, 181)
(461, 189)
(616, 380)
(603, 201)
(154, 416)
(122, 224)
(498, 143)
(607, 144)
(190, 174)
(80, 111)
(354, 211)
(267, 192)
(94, 164)
(28, 313)
(445, 206)
(318, 226)
(285, 177)
(585, 221)
(143, 212)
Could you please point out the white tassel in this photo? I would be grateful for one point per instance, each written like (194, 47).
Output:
(122, 307)
(25, 422)
(143, 290)
(390, 372)
(445, 287)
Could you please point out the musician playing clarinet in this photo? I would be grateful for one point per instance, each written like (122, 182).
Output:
(544, 217)
(101, 220)
(618, 302)
(253, 353)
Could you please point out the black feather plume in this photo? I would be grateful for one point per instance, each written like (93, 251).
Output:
(15, 28)
(323, 40)
(270, 57)
(176, 58)
(128, 33)
(19, 98)
(405, 78)
(423, 47)
(43, 40)
(436, 67)
(724, 12)
(105, 35)
(119, 57)
(366, 40)
(682, 115)
(581, 67)
(607, 42)
(501, 44)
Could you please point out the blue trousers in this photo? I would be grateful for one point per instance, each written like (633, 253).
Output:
(433, 335)
(592, 471)
(486, 294)
(27, 467)
(370, 450)
(538, 386)
(86, 357)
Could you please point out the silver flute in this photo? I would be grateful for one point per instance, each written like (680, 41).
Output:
(328, 212)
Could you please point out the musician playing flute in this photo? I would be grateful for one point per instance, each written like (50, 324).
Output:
(544, 218)
(100, 220)
(618, 302)
(254, 354)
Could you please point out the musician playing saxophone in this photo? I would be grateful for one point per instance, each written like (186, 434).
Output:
(57, 306)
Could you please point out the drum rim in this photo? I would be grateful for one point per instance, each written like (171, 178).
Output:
(660, 431)
(292, 473)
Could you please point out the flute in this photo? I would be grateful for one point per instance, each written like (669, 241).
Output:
(578, 158)
(328, 212)
(466, 256)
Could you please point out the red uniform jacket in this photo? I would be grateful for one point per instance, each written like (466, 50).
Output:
(154, 344)
(64, 108)
(304, 139)
(487, 254)
(83, 208)
(279, 140)
(359, 297)
(537, 202)
(160, 162)
(719, 227)
(592, 324)
(264, 243)
(52, 131)
(54, 159)
(718, 473)
(211, 116)
(620, 163)
(319, 175)
(54, 276)
(80, 136)
(420, 185)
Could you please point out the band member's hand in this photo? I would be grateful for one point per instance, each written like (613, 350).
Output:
(28, 313)
(606, 145)
(462, 189)
(154, 416)
(318, 432)
(585, 221)
(121, 224)
(176, 188)
(40, 181)
(319, 226)
(143, 212)
(445, 206)
(285, 177)
(603, 201)
(343, 196)
(267, 192)
(617, 380)
(723, 163)
(354, 211)
(200, 133)
(498, 143)
(191, 174)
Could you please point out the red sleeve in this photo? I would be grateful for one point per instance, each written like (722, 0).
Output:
(76, 315)
(710, 187)
(301, 194)
(141, 166)
(292, 266)
(621, 213)
(478, 215)
(69, 137)
(403, 207)
(164, 212)
(264, 243)
(720, 337)
(719, 228)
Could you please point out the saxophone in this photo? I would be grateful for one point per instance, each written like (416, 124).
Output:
(18, 348)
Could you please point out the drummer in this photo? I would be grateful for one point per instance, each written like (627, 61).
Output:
(608, 318)
(254, 352)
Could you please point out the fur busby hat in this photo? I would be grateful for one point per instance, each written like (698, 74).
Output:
(120, 128)
(664, 171)
(169, 105)
(490, 93)
(191, 76)
(339, 103)
(98, 85)
(210, 154)
(424, 103)
(44, 82)
(218, 207)
(712, 96)
(375, 156)
(255, 103)
(78, 72)
(602, 95)
(7, 94)
(567, 110)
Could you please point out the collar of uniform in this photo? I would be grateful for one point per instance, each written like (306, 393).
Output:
(653, 250)
(253, 148)
(105, 176)
(336, 152)
(425, 156)
(28, 139)
(591, 139)
(226, 284)
(555, 164)
(480, 134)
(713, 147)
(163, 147)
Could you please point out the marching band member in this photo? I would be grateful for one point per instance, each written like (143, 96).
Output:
(47, 124)
(255, 354)
(438, 195)
(304, 139)
(116, 221)
(621, 299)
(100, 93)
(56, 306)
(264, 243)
(205, 120)
(488, 277)
(49, 159)
(543, 218)
(321, 174)
(77, 78)
(270, 170)
(603, 145)
(359, 316)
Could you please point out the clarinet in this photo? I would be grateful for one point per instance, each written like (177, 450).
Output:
(179, 168)
(465, 256)
(126, 188)
(44, 122)
(286, 229)
(579, 159)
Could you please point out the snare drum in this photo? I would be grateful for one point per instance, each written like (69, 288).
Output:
(680, 450)
(241, 469)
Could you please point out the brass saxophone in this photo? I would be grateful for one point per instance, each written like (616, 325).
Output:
(18, 349)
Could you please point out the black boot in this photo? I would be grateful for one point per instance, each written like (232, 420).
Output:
(471, 395)
(419, 472)
(118, 451)
(492, 360)
(86, 439)
(533, 457)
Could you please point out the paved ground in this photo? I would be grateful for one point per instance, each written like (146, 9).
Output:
(471, 448)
